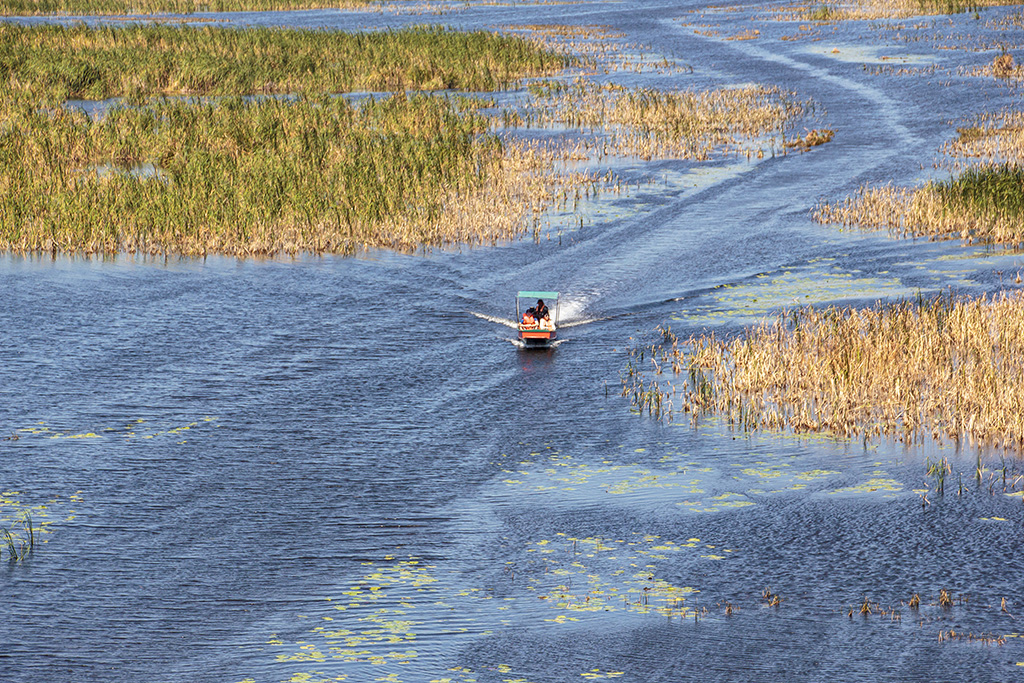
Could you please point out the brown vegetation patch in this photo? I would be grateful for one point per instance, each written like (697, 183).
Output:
(940, 368)
(1003, 66)
(983, 203)
(652, 124)
(812, 139)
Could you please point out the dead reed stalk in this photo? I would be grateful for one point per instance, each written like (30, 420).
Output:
(945, 368)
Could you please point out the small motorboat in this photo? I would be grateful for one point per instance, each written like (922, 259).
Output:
(537, 332)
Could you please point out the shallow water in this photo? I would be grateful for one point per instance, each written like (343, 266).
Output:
(330, 468)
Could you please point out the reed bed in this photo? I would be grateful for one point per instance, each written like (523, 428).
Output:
(655, 124)
(80, 62)
(118, 7)
(265, 177)
(941, 368)
(938, 210)
(827, 12)
(983, 202)
(992, 138)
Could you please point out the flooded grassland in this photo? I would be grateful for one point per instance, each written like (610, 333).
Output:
(323, 467)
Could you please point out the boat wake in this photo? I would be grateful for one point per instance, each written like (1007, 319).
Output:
(507, 322)
(581, 321)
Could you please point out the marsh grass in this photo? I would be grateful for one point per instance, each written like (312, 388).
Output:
(982, 201)
(310, 173)
(885, 9)
(649, 124)
(21, 544)
(986, 190)
(265, 177)
(942, 368)
(80, 62)
(982, 205)
(106, 7)
(823, 13)
(990, 138)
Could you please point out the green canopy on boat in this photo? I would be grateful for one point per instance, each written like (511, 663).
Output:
(537, 295)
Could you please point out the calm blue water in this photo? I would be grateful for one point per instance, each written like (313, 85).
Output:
(340, 469)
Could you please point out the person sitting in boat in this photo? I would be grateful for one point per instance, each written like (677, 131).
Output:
(545, 323)
(529, 318)
(541, 309)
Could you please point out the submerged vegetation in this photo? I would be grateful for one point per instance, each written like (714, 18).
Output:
(79, 62)
(940, 368)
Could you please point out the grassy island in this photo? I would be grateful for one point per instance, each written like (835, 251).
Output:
(269, 161)
(293, 171)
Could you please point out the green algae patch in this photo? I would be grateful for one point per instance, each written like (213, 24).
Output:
(389, 622)
(818, 282)
(601, 576)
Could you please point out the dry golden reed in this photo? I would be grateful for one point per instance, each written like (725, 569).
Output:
(649, 123)
(982, 203)
(945, 368)
(922, 212)
(860, 10)
(997, 137)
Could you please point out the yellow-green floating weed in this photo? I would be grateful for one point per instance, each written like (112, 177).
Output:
(136, 429)
(24, 525)
(600, 576)
(372, 624)
(693, 489)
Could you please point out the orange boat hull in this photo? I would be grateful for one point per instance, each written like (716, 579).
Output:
(534, 336)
